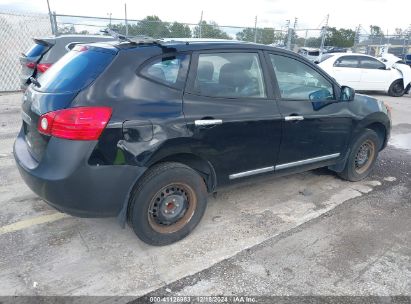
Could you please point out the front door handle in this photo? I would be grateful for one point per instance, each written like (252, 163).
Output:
(207, 122)
(294, 117)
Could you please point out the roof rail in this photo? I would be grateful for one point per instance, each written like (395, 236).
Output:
(141, 39)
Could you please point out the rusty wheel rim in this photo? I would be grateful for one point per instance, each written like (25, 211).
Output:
(364, 157)
(172, 207)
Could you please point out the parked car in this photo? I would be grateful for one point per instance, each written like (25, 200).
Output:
(46, 51)
(335, 49)
(144, 131)
(366, 73)
(311, 54)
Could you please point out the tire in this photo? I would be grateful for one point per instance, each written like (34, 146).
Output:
(362, 157)
(164, 185)
(397, 88)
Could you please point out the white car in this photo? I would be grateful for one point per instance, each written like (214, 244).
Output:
(366, 73)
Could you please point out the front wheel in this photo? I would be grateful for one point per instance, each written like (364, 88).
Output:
(363, 154)
(397, 88)
(167, 203)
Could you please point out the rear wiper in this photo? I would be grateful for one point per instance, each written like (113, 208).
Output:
(35, 82)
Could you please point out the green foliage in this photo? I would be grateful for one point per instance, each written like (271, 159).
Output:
(340, 38)
(152, 26)
(66, 29)
(179, 30)
(376, 31)
(264, 35)
(210, 30)
(314, 42)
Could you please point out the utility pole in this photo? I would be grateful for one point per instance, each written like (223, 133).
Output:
(287, 26)
(324, 33)
(125, 18)
(51, 19)
(291, 32)
(255, 30)
(109, 14)
(357, 37)
(305, 38)
(201, 26)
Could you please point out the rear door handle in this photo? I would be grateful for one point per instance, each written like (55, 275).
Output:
(207, 122)
(294, 117)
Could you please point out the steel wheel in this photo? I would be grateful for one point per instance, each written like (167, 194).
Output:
(364, 156)
(172, 207)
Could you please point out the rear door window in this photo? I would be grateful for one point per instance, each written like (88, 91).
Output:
(347, 62)
(74, 71)
(230, 75)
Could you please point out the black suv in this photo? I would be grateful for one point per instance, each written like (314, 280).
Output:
(144, 131)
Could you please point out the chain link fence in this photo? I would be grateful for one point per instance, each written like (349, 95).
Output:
(375, 45)
(17, 31)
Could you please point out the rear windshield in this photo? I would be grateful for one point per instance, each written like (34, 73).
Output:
(36, 50)
(74, 71)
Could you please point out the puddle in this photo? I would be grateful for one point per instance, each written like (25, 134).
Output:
(401, 141)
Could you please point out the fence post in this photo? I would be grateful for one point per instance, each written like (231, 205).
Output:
(54, 17)
(51, 18)
(201, 26)
(323, 34)
(255, 30)
(125, 18)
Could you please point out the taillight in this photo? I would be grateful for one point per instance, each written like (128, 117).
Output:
(82, 123)
(42, 67)
(31, 65)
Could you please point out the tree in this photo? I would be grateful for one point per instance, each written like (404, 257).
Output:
(179, 30)
(376, 31)
(340, 38)
(264, 35)
(399, 32)
(210, 30)
(152, 26)
(313, 42)
(66, 29)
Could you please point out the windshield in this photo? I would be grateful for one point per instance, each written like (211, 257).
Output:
(74, 71)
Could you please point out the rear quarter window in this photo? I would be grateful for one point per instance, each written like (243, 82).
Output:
(74, 71)
(170, 70)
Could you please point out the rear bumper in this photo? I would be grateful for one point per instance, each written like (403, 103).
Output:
(64, 179)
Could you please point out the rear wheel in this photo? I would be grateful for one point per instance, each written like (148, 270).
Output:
(168, 203)
(397, 88)
(363, 154)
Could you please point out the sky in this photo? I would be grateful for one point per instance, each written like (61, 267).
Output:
(270, 13)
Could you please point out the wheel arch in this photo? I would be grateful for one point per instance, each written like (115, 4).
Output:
(381, 131)
(197, 163)
(378, 127)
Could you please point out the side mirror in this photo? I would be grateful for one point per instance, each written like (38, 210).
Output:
(347, 93)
